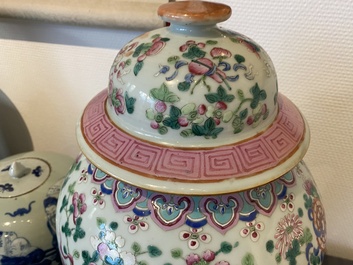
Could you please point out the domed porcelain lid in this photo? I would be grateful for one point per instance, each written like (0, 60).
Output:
(193, 109)
(27, 172)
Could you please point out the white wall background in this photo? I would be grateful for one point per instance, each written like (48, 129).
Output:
(51, 71)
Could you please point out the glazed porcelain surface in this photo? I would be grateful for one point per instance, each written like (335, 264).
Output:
(29, 190)
(191, 156)
(103, 220)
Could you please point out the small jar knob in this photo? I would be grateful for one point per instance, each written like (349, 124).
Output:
(194, 12)
(17, 170)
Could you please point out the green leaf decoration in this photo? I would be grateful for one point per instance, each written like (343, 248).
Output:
(243, 114)
(208, 129)
(175, 112)
(212, 97)
(228, 98)
(65, 250)
(188, 108)
(78, 221)
(172, 123)
(221, 92)
(153, 251)
(128, 62)
(165, 39)
(173, 59)
(226, 247)
(79, 234)
(239, 58)
(150, 114)
(130, 103)
(155, 36)
(270, 246)
(137, 68)
(76, 254)
(306, 238)
(142, 48)
(177, 253)
(65, 202)
(221, 95)
(142, 263)
(293, 252)
(214, 133)
(172, 120)
(198, 130)
(278, 258)
(258, 94)
(136, 248)
(162, 93)
(240, 94)
(314, 260)
(211, 42)
(238, 124)
(87, 257)
(248, 259)
(66, 229)
(113, 226)
(308, 201)
(71, 188)
(162, 130)
(186, 133)
(210, 124)
(100, 221)
(184, 86)
(158, 117)
(194, 52)
(300, 212)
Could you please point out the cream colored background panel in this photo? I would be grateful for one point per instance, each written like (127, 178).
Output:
(310, 43)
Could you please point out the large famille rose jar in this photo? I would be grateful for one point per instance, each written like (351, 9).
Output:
(191, 156)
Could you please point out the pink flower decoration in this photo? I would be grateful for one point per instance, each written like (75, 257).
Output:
(136, 223)
(252, 229)
(192, 259)
(98, 198)
(78, 201)
(189, 43)
(208, 255)
(288, 229)
(119, 96)
(157, 46)
(194, 236)
(204, 66)
(220, 53)
(288, 203)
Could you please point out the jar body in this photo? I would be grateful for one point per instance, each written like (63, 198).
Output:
(101, 220)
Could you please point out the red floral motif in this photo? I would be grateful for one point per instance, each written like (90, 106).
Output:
(220, 53)
(78, 201)
(189, 43)
(206, 67)
(119, 101)
(194, 236)
(128, 49)
(207, 257)
(157, 45)
(288, 229)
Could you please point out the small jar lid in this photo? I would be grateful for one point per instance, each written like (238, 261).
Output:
(193, 109)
